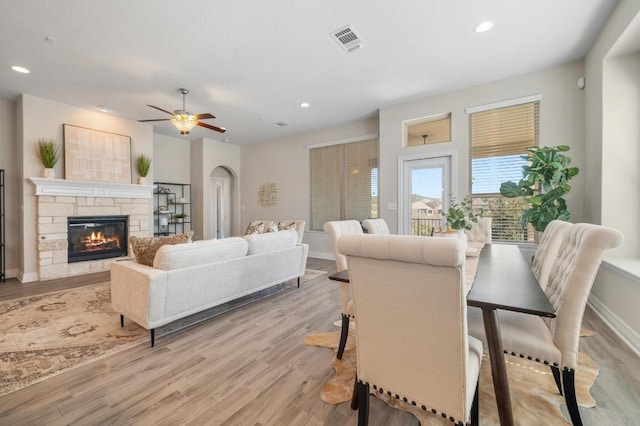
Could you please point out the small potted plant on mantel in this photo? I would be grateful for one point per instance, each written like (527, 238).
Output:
(143, 164)
(49, 154)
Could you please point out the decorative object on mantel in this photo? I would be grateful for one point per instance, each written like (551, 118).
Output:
(268, 195)
(96, 156)
(49, 154)
(143, 164)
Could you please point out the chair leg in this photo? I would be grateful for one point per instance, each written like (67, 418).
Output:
(298, 282)
(475, 408)
(343, 335)
(354, 395)
(556, 377)
(121, 320)
(363, 404)
(153, 336)
(568, 385)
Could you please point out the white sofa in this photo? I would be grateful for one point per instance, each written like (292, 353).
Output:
(191, 277)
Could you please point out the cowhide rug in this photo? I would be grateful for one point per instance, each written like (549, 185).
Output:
(534, 396)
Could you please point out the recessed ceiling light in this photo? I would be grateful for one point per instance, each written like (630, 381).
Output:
(226, 140)
(280, 124)
(20, 69)
(484, 26)
(305, 105)
(103, 108)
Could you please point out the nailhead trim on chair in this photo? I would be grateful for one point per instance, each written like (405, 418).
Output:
(433, 410)
(545, 362)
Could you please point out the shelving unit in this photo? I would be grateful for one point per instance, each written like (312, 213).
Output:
(3, 276)
(171, 199)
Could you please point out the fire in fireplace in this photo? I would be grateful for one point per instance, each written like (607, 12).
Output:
(97, 237)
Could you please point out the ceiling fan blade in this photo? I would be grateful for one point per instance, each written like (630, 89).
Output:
(209, 126)
(160, 109)
(157, 119)
(204, 116)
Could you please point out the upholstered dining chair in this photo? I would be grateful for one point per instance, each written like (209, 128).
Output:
(411, 341)
(547, 251)
(480, 231)
(554, 341)
(335, 229)
(376, 226)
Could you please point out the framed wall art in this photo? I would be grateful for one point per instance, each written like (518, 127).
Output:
(93, 155)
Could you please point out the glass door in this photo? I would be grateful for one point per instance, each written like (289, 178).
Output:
(427, 186)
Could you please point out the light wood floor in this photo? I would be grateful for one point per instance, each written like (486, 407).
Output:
(250, 367)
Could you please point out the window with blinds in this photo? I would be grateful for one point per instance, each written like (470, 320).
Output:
(499, 138)
(343, 182)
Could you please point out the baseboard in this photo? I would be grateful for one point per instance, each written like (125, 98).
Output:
(322, 255)
(11, 273)
(619, 327)
(28, 277)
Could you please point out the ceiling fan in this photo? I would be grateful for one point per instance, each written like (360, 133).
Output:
(185, 121)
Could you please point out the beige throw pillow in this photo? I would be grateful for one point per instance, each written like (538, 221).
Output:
(145, 249)
(255, 228)
(285, 226)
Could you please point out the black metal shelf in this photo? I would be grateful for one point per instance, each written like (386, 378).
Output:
(176, 198)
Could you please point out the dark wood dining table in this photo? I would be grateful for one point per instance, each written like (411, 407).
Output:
(503, 280)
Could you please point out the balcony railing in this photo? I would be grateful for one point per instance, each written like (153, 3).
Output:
(424, 227)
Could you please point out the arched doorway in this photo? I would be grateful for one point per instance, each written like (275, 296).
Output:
(222, 202)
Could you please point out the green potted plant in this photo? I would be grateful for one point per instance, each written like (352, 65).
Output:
(180, 217)
(543, 185)
(49, 154)
(462, 216)
(143, 164)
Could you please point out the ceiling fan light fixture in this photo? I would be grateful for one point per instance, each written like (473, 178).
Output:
(184, 123)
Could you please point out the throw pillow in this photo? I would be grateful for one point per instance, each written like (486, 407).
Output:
(254, 228)
(285, 226)
(273, 227)
(145, 249)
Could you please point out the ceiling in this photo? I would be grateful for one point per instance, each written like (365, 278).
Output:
(251, 63)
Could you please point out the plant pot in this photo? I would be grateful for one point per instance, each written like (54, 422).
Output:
(462, 235)
(49, 173)
(142, 180)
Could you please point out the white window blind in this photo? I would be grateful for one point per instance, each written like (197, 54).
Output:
(343, 182)
(499, 138)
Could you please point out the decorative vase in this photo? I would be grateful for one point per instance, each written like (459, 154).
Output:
(142, 180)
(463, 236)
(49, 173)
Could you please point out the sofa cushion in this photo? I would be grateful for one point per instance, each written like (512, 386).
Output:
(199, 253)
(145, 248)
(271, 241)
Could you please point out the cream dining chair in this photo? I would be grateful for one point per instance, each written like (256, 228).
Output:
(554, 341)
(411, 318)
(376, 226)
(335, 229)
(480, 231)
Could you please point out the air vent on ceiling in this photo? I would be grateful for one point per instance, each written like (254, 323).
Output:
(347, 38)
(280, 124)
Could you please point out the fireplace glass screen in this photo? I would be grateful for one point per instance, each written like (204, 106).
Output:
(97, 237)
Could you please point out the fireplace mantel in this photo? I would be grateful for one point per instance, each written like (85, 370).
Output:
(76, 188)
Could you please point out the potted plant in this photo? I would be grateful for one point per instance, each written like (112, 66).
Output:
(143, 164)
(462, 216)
(543, 185)
(49, 154)
(180, 217)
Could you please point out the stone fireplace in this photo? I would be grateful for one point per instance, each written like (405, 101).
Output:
(59, 201)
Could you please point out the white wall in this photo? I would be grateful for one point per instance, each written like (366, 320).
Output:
(171, 158)
(40, 118)
(285, 162)
(561, 122)
(206, 155)
(9, 163)
(611, 190)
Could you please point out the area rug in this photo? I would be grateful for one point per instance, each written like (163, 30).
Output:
(48, 334)
(534, 396)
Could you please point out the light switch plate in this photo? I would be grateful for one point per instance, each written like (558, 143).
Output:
(392, 206)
